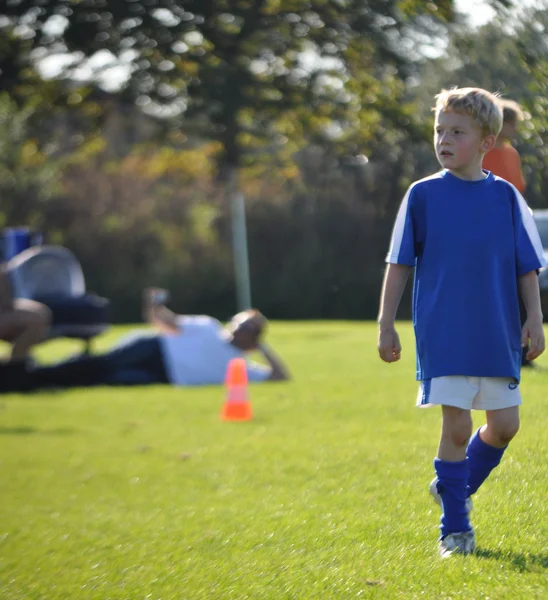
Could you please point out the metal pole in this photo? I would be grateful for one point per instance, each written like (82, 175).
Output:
(239, 248)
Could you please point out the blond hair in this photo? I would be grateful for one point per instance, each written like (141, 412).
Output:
(483, 106)
(511, 111)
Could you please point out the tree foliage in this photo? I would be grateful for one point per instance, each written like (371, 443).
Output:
(235, 68)
(28, 172)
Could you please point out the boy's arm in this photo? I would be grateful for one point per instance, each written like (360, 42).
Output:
(395, 279)
(532, 328)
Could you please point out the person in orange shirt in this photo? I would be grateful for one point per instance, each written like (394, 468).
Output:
(503, 159)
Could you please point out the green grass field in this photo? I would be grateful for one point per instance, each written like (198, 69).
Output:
(145, 493)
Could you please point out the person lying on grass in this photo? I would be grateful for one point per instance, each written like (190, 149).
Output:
(184, 350)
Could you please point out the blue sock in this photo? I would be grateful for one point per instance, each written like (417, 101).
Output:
(482, 459)
(452, 482)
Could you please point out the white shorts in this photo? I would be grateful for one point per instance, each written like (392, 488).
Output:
(478, 393)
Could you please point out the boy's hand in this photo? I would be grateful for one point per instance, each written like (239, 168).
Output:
(389, 344)
(533, 330)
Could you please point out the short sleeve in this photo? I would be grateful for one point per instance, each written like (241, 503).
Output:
(257, 372)
(528, 246)
(402, 246)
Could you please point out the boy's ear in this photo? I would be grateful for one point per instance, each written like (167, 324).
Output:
(488, 142)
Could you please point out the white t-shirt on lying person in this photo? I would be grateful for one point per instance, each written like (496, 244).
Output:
(200, 353)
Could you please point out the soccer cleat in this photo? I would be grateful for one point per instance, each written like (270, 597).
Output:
(457, 543)
(437, 496)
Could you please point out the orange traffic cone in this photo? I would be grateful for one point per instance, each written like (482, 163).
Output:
(236, 406)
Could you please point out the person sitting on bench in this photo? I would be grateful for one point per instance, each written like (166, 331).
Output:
(23, 323)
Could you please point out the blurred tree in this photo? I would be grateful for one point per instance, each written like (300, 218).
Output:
(263, 78)
(29, 175)
(235, 67)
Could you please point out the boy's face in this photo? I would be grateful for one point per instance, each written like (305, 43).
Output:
(460, 144)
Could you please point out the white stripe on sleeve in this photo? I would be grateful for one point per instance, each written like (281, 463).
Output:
(530, 226)
(397, 233)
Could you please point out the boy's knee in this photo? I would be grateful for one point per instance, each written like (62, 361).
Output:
(457, 427)
(502, 426)
(460, 437)
(505, 432)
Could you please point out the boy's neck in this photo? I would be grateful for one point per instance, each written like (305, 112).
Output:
(471, 173)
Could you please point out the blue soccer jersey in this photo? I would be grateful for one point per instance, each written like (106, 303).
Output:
(469, 241)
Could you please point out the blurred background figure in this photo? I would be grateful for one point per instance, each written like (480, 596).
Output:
(23, 323)
(503, 159)
(184, 350)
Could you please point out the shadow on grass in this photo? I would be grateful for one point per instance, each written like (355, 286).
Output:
(25, 430)
(520, 561)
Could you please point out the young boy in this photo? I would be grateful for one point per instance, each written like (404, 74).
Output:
(473, 243)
